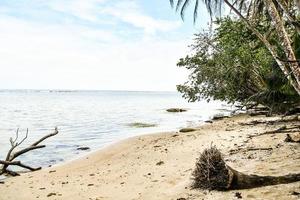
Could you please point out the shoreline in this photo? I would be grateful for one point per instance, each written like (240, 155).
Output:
(159, 166)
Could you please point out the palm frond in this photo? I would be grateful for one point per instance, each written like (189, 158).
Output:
(179, 3)
(185, 4)
(172, 3)
(196, 11)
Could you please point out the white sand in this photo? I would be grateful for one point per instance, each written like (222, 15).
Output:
(129, 170)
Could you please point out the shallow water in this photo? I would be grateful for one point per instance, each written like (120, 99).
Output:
(91, 118)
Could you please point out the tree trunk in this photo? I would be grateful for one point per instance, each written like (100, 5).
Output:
(291, 19)
(211, 172)
(244, 181)
(283, 66)
(283, 35)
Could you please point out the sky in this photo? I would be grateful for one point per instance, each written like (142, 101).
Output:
(94, 44)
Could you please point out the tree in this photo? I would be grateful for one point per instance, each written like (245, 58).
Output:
(231, 64)
(277, 12)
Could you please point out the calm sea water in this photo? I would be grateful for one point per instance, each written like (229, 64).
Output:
(90, 118)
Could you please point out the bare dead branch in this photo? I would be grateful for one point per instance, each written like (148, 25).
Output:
(270, 122)
(18, 144)
(16, 138)
(45, 137)
(30, 148)
(3, 162)
(11, 173)
(283, 129)
(234, 151)
(18, 163)
(13, 155)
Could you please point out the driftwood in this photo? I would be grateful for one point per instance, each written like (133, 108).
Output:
(234, 151)
(270, 122)
(12, 154)
(213, 173)
(282, 129)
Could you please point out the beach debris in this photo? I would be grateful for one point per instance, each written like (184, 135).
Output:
(185, 130)
(238, 195)
(208, 121)
(160, 163)
(271, 122)
(1, 182)
(176, 110)
(51, 171)
(233, 151)
(282, 129)
(141, 125)
(213, 173)
(295, 193)
(252, 123)
(83, 148)
(51, 194)
(12, 154)
(292, 138)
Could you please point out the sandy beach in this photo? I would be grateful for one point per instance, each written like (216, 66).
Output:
(159, 166)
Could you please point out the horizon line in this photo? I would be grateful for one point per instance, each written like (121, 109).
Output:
(88, 90)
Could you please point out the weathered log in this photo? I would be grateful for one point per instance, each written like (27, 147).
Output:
(11, 155)
(246, 181)
(213, 173)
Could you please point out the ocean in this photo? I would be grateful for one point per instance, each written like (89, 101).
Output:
(91, 119)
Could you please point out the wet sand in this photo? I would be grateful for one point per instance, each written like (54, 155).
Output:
(159, 166)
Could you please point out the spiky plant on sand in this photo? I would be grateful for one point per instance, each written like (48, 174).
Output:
(213, 173)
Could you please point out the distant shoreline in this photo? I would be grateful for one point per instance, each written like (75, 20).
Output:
(84, 90)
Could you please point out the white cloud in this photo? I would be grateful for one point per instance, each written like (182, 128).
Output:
(84, 9)
(38, 55)
(129, 12)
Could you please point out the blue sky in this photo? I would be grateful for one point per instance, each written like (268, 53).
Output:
(93, 44)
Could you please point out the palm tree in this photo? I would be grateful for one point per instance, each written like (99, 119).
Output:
(279, 13)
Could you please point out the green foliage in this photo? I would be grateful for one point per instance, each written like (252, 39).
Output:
(231, 64)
